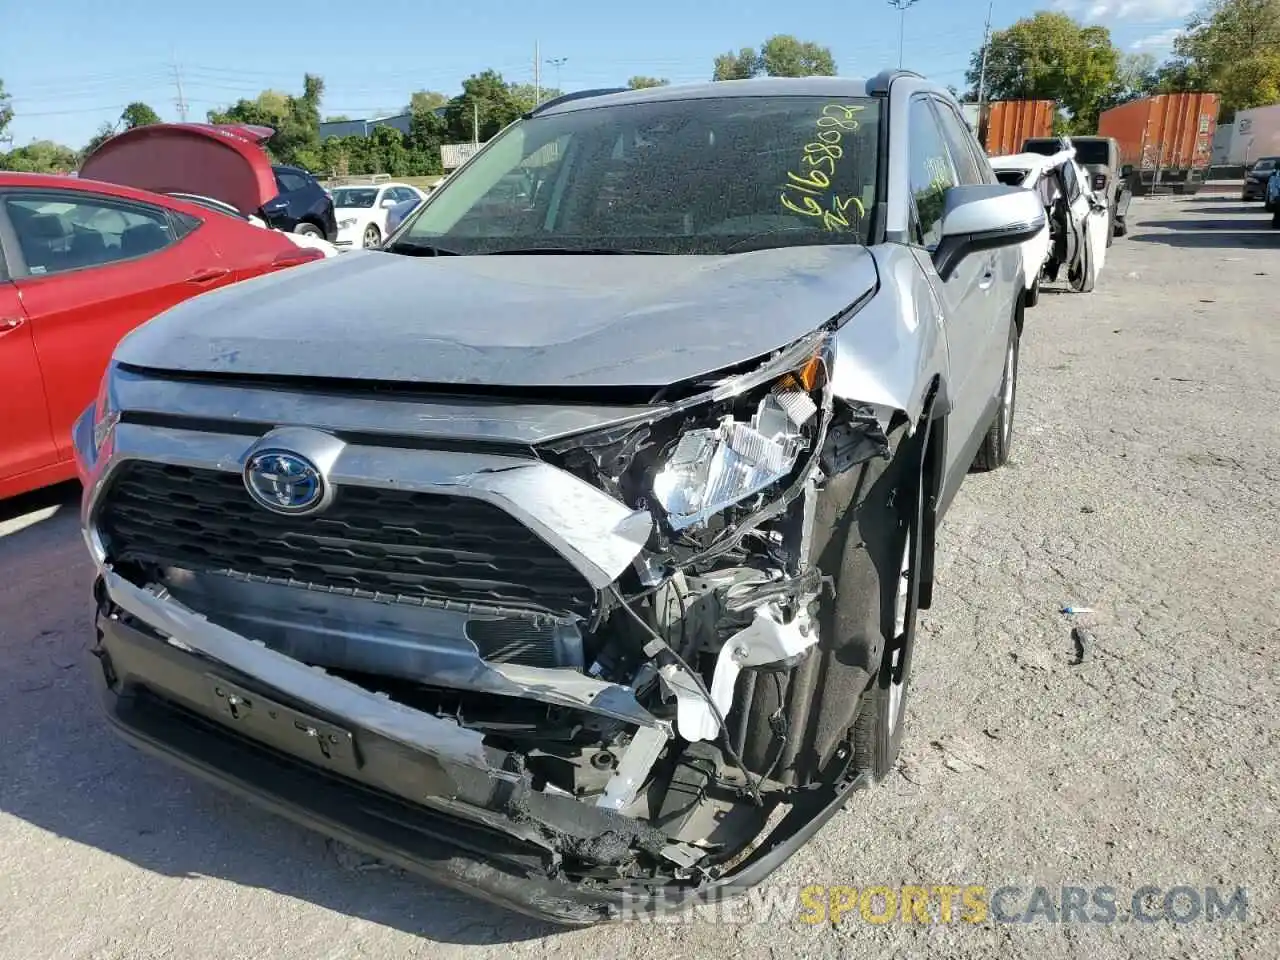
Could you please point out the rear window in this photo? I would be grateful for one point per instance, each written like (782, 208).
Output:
(1092, 152)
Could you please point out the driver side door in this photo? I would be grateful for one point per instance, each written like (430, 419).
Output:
(967, 297)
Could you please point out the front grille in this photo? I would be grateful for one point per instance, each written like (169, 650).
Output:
(417, 546)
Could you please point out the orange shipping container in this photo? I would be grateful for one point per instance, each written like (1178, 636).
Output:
(1010, 123)
(1172, 132)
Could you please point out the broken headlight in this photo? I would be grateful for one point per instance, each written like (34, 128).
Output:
(105, 414)
(714, 467)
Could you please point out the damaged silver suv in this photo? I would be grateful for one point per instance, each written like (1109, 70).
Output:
(568, 549)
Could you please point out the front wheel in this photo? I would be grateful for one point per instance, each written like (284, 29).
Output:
(308, 230)
(877, 733)
(998, 443)
(372, 236)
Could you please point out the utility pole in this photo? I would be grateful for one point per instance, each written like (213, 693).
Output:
(177, 79)
(557, 62)
(982, 74)
(537, 74)
(901, 6)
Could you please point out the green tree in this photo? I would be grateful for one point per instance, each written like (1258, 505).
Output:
(742, 65)
(138, 114)
(295, 119)
(782, 55)
(1049, 56)
(42, 156)
(525, 94)
(336, 118)
(785, 56)
(6, 111)
(1232, 47)
(1137, 76)
(105, 133)
(425, 100)
(642, 83)
(486, 96)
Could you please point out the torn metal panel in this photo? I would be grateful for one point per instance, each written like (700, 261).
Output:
(191, 631)
(421, 644)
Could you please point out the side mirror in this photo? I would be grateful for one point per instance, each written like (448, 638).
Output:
(985, 217)
(389, 202)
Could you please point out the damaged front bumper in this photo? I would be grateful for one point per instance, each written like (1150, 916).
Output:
(496, 665)
(413, 790)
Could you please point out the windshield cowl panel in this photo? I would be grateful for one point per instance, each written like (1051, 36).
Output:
(700, 176)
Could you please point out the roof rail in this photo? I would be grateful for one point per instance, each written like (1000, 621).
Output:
(576, 95)
(878, 86)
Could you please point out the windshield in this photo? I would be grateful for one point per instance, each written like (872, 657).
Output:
(355, 196)
(1092, 152)
(689, 176)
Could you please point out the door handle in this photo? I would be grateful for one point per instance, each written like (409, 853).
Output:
(208, 275)
(8, 324)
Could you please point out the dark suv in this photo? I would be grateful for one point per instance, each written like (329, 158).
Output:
(1255, 180)
(302, 205)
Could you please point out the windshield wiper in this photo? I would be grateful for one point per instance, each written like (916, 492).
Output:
(411, 248)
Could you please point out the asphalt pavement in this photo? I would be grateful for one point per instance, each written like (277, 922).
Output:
(1131, 746)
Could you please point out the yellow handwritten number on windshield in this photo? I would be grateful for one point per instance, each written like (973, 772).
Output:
(820, 157)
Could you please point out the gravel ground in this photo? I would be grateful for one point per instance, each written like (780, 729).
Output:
(1144, 486)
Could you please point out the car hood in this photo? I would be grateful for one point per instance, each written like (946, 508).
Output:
(223, 161)
(542, 320)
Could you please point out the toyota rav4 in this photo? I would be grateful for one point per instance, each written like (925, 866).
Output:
(569, 548)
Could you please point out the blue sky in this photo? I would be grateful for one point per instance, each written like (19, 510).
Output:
(65, 81)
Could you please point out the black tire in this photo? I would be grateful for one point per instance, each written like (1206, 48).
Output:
(998, 443)
(1122, 227)
(1275, 220)
(371, 237)
(305, 229)
(1033, 295)
(877, 732)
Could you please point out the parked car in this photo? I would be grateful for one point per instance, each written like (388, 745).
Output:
(601, 539)
(83, 262)
(362, 211)
(1255, 179)
(233, 167)
(307, 240)
(302, 206)
(1078, 221)
(1099, 157)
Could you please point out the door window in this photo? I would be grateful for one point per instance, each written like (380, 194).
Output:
(57, 233)
(932, 172)
(288, 182)
(971, 163)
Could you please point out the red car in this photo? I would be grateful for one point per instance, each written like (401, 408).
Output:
(84, 260)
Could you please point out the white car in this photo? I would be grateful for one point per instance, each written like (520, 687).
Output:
(1076, 234)
(361, 211)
